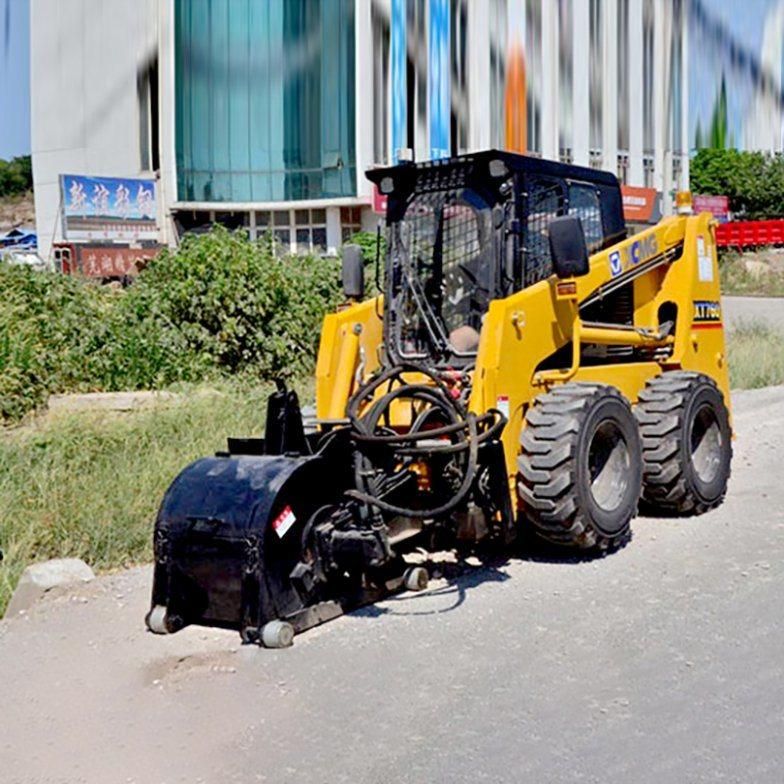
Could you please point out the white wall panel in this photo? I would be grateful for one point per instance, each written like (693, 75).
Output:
(84, 104)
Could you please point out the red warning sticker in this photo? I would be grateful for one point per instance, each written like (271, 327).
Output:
(284, 521)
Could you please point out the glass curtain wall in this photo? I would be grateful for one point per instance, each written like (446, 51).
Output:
(381, 94)
(264, 100)
(459, 115)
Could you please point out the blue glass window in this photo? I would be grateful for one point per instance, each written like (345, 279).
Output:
(264, 99)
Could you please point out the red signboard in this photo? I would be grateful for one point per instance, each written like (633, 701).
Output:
(640, 205)
(111, 262)
(719, 206)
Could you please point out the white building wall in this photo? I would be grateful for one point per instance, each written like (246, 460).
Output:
(664, 24)
(660, 88)
(610, 86)
(363, 105)
(581, 81)
(479, 132)
(550, 94)
(85, 55)
(683, 183)
(166, 102)
(763, 129)
(636, 173)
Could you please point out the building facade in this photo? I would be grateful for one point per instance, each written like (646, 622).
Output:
(90, 96)
(264, 114)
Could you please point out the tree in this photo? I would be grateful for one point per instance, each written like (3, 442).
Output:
(16, 176)
(753, 181)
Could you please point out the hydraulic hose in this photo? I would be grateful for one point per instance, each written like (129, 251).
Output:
(468, 480)
(465, 430)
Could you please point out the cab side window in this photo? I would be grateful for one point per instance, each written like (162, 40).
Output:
(584, 202)
(544, 200)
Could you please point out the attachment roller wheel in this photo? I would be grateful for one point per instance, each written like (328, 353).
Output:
(157, 621)
(416, 578)
(277, 634)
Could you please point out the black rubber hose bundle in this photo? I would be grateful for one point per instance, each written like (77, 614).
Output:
(467, 430)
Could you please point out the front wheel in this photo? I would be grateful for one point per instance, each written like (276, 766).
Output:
(580, 466)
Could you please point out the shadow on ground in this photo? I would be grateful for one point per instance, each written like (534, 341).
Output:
(463, 574)
(460, 576)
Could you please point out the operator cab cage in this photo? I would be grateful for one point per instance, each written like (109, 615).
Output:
(464, 231)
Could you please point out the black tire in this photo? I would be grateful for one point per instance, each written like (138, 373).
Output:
(687, 446)
(580, 467)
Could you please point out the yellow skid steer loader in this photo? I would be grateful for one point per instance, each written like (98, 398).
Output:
(527, 366)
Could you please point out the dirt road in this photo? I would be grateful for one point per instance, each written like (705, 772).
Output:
(661, 663)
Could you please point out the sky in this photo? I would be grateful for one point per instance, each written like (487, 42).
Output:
(14, 78)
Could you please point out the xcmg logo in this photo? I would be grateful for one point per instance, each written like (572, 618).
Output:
(626, 258)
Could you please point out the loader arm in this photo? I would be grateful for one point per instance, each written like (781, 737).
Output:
(673, 270)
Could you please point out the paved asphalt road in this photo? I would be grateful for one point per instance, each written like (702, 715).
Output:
(769, 310)
(661, 663)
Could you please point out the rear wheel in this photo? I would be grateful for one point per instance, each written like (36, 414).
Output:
(687, 446)
(580, 467)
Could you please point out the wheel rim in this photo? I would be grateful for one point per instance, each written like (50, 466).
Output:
(705, 441)
(608, 466)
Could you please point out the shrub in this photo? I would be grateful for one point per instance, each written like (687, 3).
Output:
(368, 241)
(236, 303)
(218, 306)
(45, 326)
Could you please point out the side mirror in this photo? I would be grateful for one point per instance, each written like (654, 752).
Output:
(567, 247)
(353, 272)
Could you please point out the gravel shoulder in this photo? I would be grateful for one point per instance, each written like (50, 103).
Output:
(768, 310)
(662, 662)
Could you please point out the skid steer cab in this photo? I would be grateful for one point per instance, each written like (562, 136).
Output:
(527, 367)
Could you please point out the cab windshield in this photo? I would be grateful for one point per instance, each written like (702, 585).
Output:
(442, 275)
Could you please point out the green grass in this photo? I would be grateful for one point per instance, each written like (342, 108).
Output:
(737, 280)
(756, 356)
(88, 485)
